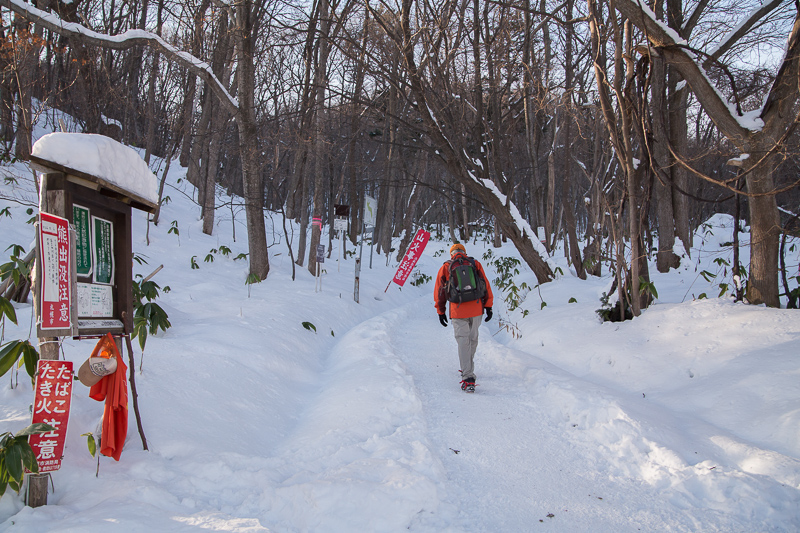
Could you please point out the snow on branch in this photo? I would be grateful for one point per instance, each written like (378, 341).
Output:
(742, 28)
(523, 227)
(123, 41)
(669, 44)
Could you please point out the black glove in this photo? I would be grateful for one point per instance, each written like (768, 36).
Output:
(443, 320)
(488, 313)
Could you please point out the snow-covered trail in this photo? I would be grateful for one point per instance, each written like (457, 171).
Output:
(500, 451)
(509, 467)
(257, 422)
(538, 447)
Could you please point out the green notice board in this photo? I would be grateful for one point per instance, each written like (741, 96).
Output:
(103, 250)
(83, 255)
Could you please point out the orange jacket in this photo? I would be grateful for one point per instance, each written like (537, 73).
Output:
(464, 309)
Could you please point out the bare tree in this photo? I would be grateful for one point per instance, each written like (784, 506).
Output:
(761, 140)
(620, 124)
(437, 122)
(246, 24)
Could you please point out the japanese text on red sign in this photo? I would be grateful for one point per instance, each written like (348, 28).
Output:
(54, 247)
(51, 405)
(413, 254)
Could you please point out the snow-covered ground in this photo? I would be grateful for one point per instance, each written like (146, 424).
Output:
(684, 419)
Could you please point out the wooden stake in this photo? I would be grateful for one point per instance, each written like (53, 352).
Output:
(131, 373)
(37, 490)
(153, 273)
(50, 202)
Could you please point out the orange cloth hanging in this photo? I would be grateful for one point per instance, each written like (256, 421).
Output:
(114, 390)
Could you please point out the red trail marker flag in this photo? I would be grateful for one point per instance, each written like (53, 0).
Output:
(413, 254)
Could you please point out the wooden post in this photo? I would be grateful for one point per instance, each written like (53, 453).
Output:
(51, 201)
(37, 483)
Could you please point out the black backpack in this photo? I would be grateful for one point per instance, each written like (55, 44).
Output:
(465, 283)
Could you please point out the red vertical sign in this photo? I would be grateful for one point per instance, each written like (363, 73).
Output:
(54, 248)
(51, 406)
(412, 256)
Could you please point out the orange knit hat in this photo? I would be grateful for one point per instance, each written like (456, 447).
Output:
(457, 247)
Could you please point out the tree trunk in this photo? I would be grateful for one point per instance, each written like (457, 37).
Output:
(678, 132)
(24, 86)
(566, 184)
(191, 86)
(465, 234)
(151, 92)
(301, 214)
(765, 230)
(320, 153)
(199, 147)
(187, 118)
(550, 217)
(253, 186)
(621, 141)
(355, 126)
(221, 61)
(666, 258)
(602, 168)
(218, 124)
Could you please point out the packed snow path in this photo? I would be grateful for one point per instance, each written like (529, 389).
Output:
(502, 455)
(535, 448)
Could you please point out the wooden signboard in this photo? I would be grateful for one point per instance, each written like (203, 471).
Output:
(101, 217)
(84, 282)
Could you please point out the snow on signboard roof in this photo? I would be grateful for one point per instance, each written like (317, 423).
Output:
(102, 157)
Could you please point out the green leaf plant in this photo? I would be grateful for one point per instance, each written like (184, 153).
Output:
(16, 456)
(148, 316)
(15, 268)
(15, 352)
(91, 443)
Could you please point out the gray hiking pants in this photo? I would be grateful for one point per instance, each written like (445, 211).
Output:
(466, 332)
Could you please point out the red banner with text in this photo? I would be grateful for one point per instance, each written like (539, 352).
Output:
(412, 256)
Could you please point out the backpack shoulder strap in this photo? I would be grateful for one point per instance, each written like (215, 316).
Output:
(478, 271)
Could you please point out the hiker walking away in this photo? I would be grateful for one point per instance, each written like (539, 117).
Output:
(462, 282)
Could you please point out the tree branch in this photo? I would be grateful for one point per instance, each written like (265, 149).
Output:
(124, 41)
(666, 41)
(741, 30)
